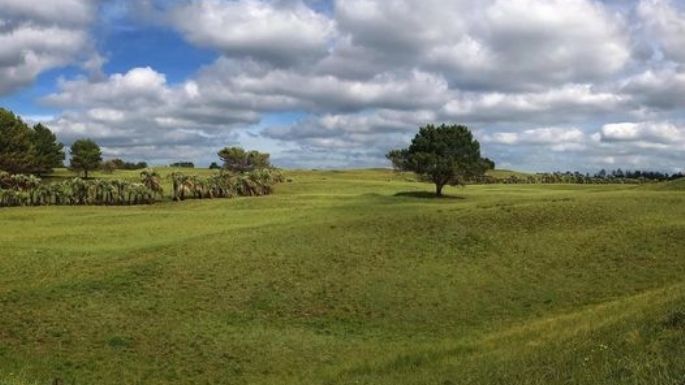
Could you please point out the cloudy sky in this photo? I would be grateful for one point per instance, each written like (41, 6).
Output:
(545, 84)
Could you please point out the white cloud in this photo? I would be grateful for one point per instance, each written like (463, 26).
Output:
(662, 89)
(138, 87)
(495, 44)
(566, 104)
(282, 33)
(134, 112)
(667, 25)
(660, 133)
(541, 82)
(34, 38)
(546, 135)
(73, 12)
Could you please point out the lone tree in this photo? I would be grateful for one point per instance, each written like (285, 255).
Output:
(445, 155)
(238, 160)
(85, 156)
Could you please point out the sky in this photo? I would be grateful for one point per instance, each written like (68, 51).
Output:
(545, 85)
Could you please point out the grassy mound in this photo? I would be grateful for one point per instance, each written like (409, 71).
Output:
(674, 185)
(350, 278)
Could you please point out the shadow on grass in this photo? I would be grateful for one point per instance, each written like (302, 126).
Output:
(426, 195)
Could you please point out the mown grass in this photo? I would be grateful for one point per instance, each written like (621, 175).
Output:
(350, 278)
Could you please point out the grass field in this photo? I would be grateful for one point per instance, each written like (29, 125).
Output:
(352, 277)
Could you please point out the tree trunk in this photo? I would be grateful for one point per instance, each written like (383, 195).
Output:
(86, 174)
(438, 189)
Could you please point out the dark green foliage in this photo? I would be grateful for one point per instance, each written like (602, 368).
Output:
(16, 153)
(85, 156)
(214, 166)
(24, 149)
(488, 164)
(183, 165)
(119, 164)
(49, 153)
(237, 159)
(444, 155)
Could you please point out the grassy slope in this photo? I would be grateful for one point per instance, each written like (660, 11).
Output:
(336, 280)
(674, 185)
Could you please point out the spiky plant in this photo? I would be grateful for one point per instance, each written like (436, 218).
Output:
(151, 180)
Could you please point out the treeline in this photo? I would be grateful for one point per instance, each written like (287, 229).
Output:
(29, 190)
(183, 165)
(637, 175)
(602, 177)
(35, 150)
(120, 164)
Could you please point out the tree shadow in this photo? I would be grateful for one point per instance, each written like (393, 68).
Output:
(426, 195)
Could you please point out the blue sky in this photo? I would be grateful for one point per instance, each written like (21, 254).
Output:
(544, 84)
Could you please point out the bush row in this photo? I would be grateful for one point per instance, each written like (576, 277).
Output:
(29, 190)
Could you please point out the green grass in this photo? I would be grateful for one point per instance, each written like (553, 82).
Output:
(507, 173)
(674, 185)
(350, 278)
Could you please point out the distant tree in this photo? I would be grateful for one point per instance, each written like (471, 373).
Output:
(183, 165)
(118, 164)
(48, 152)
(85, 156)
(445, 155)
(214, 166)
(237, 159)
(108, 166)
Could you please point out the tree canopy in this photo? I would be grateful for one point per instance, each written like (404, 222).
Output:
(183, 164)
(120, 164)
(85, 156)
(445, 155)
(25, 149)
(237, 159)
(48, 152)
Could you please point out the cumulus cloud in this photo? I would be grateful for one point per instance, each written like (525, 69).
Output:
(667, 24)
(663, 89)
(34, 39)
(547, 135)
(491, 44)
(139, 114)
(284, 32)
(561, 105)
(646, 133)
(545, 84)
